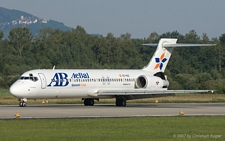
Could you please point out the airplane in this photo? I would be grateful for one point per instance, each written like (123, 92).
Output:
(95, 84)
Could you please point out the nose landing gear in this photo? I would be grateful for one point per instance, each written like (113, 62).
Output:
(22, 102)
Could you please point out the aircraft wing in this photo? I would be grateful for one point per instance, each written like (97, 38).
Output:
(145, 92)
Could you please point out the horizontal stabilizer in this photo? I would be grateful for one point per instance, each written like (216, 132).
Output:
(180, 45)
(151, 45)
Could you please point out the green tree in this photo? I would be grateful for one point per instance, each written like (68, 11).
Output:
(20, 38)
(1, 34)
(188, 81)
(153, 38)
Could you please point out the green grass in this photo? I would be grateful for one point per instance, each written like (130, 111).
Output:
(114, 129)
(4, 92)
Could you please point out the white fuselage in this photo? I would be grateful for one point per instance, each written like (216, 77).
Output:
(79, 83)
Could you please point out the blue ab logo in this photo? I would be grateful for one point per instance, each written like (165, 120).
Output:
(59, 79)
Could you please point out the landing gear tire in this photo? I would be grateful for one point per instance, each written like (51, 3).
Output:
(89, 102)
(22, 104)
(120, 101)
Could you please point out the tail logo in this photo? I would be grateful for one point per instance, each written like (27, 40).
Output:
(160, 61)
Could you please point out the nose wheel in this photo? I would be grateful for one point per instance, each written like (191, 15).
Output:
(22, 104)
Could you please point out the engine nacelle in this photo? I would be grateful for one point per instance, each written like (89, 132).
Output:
(150, 82)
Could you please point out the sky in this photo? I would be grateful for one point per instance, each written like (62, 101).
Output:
(138, 17)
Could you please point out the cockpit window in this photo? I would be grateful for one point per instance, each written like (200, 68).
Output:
(32, 78)
(21, 77)
(26, 78)
(35, 79)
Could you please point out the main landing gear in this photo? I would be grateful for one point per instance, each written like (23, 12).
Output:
(22, 102)
(120, 101)
(89, 102)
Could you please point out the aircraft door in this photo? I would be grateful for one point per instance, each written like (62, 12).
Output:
(43, 80)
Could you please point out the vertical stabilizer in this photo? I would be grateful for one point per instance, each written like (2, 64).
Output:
(161, 56)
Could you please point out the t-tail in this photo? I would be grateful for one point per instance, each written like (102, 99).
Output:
(163, 53)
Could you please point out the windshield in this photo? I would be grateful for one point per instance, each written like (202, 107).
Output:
(32, 78)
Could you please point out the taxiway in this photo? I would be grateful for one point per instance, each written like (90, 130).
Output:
(49, 111)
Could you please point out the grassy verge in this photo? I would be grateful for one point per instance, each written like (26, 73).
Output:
(7, 99)
(123, 129)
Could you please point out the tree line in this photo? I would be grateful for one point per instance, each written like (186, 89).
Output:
(188, 68)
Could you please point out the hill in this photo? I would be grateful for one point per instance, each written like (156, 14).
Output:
(14, 18)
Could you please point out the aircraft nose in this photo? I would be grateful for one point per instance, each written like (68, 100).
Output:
(14, 90)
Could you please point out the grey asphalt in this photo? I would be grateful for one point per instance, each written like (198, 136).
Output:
(49, 111)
